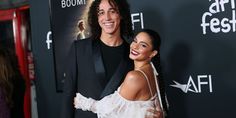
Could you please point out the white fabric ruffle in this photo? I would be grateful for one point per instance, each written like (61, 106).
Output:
(114, 106)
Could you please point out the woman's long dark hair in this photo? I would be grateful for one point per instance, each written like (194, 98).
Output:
(6, 75)
(124, 11)
(156, 42)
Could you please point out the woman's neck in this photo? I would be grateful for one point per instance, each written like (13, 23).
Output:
(140, 65)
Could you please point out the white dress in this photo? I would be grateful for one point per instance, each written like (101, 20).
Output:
(116, 106)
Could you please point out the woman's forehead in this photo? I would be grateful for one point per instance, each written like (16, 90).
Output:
(143, 36)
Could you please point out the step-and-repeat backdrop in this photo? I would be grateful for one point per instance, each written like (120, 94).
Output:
(198, 52)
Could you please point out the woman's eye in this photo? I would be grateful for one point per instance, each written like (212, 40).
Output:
(143, 45)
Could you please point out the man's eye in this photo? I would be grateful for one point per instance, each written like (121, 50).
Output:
(100, 13)
(113, 11)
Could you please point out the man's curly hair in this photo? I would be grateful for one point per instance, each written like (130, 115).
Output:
(124, 11)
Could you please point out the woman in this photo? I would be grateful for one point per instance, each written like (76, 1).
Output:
(12, 85)
(6, 86)
(139, 91)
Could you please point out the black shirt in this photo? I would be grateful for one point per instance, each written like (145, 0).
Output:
(111, 59)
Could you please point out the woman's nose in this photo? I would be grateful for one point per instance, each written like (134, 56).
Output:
(135, 46)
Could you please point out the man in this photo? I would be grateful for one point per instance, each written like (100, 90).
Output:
(97, 66)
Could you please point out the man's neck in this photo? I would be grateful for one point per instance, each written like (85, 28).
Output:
(111, 40)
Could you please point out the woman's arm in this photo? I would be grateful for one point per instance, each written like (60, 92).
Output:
(128, 90)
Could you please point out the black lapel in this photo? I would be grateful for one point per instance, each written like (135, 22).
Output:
(116, 79)
(97, 58)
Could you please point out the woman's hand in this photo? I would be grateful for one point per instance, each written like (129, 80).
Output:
(82, 102)
(77, 100)
(154, 113)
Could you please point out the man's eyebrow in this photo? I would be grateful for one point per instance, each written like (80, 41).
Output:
(112, 8)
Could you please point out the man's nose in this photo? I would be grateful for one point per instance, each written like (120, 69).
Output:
(108, 16)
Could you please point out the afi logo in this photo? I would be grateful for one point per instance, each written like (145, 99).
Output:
(216, 25)
(202, 80)
(137, 19)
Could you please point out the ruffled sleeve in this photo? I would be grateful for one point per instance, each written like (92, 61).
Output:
(113, 106)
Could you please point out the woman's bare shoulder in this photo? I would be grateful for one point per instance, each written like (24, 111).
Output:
(135, 78)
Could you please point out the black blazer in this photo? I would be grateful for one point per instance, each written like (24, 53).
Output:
(84, 70)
